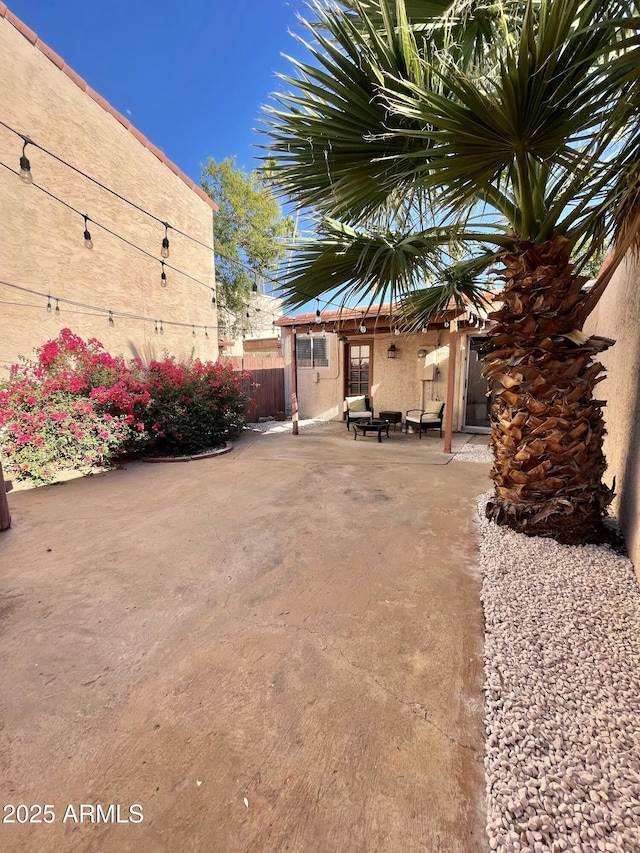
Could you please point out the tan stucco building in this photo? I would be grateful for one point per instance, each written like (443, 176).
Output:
(617, 316)
(43, 258)
(359, 351)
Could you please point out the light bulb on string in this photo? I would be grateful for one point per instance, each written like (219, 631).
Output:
(206, 334)
(163, 277)
(213, 297)
(156, 328)
(165, 242)
(362, 328)
(57, 307)
(396, 331)
(193, 331)
(318, 317)
(25, 165)
(254, 287)
(161, 328)
(49, 304)
(310, 332)
(88, 242)
(111, 321)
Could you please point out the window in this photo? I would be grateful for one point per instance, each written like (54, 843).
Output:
(312, 351)
(359, 356)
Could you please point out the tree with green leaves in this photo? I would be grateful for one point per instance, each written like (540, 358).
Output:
(249, 237)
(437, 141)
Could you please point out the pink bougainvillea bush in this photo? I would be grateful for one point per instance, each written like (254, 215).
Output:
(193, 407)
(45, 429)
(79, 407)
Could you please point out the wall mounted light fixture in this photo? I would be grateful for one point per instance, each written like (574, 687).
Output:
(391, 352)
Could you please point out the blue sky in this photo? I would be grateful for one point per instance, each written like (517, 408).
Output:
(192, 76)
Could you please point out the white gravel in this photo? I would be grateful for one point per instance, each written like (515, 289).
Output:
(283, 426)
(562, 695)
(473, 453)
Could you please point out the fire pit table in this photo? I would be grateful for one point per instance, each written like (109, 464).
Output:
(371, 425)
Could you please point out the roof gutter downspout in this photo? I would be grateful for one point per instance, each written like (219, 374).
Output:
(451, 383)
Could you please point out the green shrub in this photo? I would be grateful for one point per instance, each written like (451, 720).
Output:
(45, 431)
(80, 407)
(194, 407)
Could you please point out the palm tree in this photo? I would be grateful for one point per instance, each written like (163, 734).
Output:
(435, 141)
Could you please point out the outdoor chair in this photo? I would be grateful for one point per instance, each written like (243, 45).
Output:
(428, 418)
(357, 408)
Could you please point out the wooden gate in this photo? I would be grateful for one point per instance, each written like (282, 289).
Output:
(265, 384)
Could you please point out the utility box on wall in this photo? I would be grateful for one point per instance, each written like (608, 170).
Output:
(430, 371)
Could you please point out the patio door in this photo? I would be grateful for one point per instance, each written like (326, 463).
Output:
(477, 409)
(358, 370)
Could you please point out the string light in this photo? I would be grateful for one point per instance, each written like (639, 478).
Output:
(206, 334)
(193, 331)
(318, 317)
(156, 327)
(25, 174)
(25, 165)
(161, 328)
(213, 297)
(91, 310)
(28, 178)
(109, 230)
(362, 328)
(165, 242)
(88, 242)
(111, 320)
(163, 277)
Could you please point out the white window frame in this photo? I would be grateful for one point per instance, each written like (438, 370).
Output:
(314, 362)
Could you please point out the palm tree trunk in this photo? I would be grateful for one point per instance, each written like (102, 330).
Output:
(547, 431)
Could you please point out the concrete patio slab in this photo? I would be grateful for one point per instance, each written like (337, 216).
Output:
(275, 650)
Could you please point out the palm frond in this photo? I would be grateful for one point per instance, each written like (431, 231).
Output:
(459, 286)
(380, 264)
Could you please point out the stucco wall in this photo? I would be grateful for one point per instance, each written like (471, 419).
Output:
(319, 388)
(618, 316)
(406, 381)
(41, 242)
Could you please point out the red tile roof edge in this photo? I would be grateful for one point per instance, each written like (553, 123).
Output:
(31, 37)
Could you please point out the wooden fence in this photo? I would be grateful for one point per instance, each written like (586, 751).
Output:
(265, 384)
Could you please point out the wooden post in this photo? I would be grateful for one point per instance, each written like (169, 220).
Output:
(451, 386)
(5, 515)
(294, 382)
